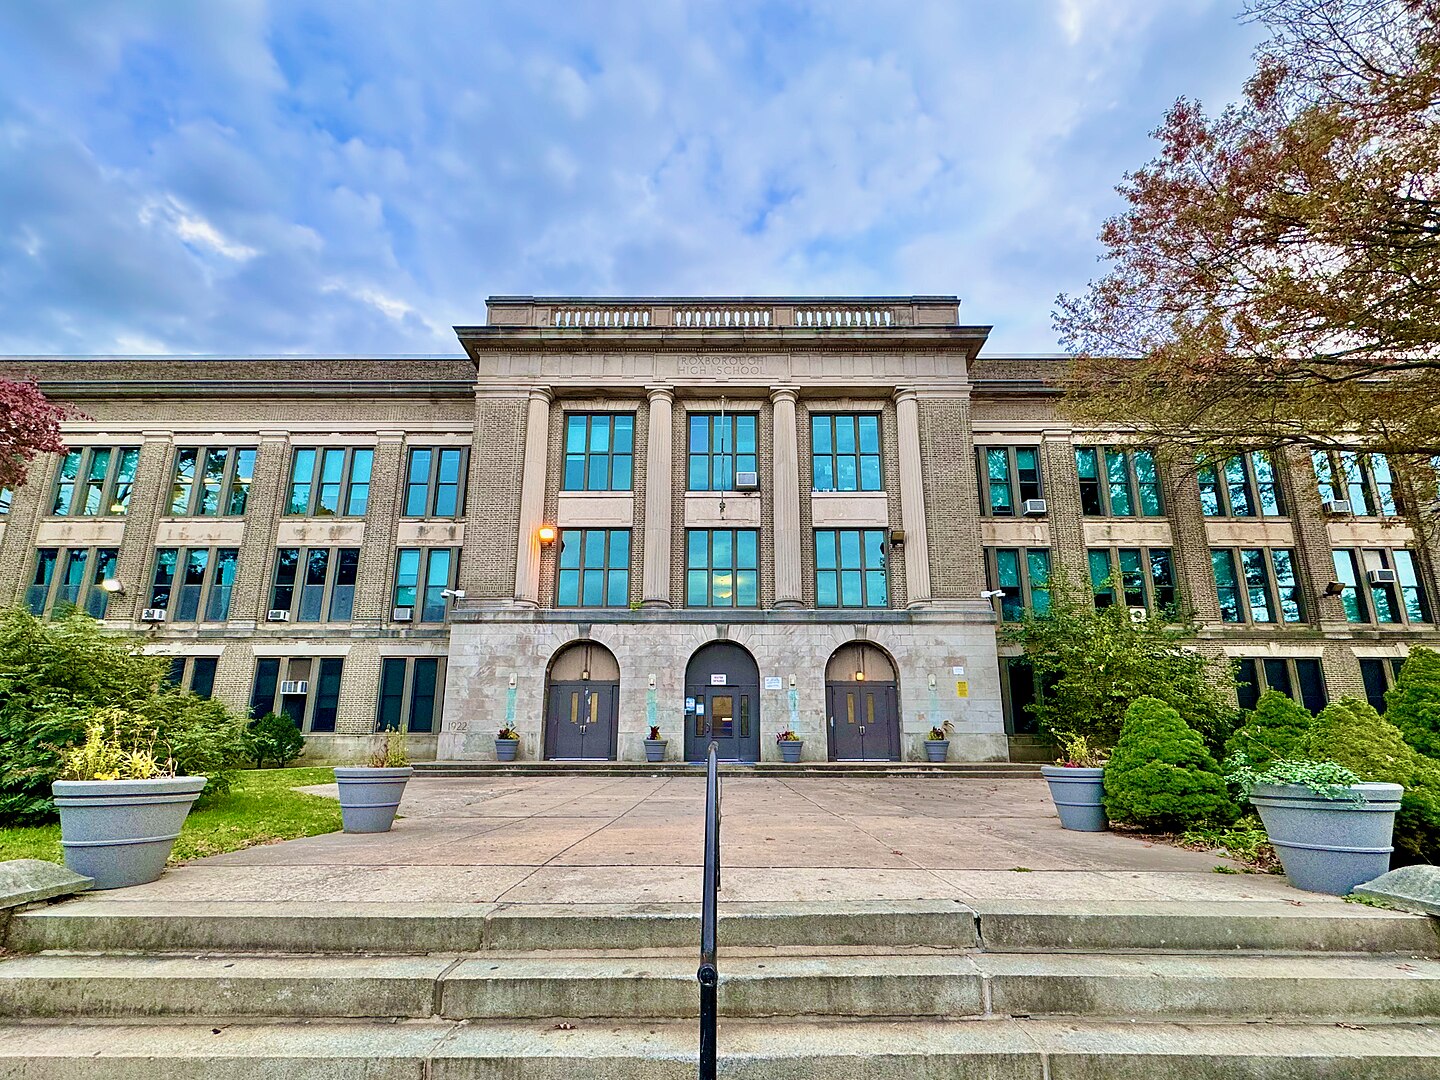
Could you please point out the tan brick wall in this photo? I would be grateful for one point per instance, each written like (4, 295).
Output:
(497, 458)
(947, 451)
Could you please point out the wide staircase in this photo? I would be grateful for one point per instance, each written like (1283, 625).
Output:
(872, 770)
(107, 989)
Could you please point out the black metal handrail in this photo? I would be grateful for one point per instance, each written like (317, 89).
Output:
(708, 974)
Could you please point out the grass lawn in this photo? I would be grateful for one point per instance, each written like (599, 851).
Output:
(261, 807)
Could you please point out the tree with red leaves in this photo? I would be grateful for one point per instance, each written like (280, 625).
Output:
(1274, 278)
(29, 425)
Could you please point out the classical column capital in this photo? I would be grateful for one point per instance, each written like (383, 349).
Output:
(790, 394)
(541, 393)
(660, 393)
(906, 393)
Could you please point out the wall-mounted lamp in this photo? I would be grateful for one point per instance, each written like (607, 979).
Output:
(991, 594)
(932, 682)
(113, 586)
(1335, 588)
(454, 594)
(897, 537)
(652, 682)
(513, 679)
(546, 534)
(860, 675)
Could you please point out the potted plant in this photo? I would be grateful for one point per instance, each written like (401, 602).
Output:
(937, 743)
(120, 808)
(1077, 783)
(790, 746)
(370, 794)
(655, 745)
(506, 743)
(1331, 830)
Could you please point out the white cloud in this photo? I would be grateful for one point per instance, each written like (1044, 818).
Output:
(192, 228)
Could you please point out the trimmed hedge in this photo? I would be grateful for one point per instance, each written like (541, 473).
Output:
(1413, 704)
(1160, 776)
(1276, 728)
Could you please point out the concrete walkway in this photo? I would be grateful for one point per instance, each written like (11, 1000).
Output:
(632, 840)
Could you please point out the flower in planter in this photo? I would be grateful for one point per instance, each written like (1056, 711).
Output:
(508, 732)
(654, 732)
(787, 736)
(941, 733)
(1078, 752)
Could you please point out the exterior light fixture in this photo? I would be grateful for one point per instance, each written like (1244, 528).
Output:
(1335, 588)
(860, 675)
(454, 594)
(112, 585)
(546, 534)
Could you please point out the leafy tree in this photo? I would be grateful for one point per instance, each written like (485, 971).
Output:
(1413, 704)
(274, 738)
(1275, 729)
(1160, 776)
(1094, 662)
(1274, 278)
(29, 425)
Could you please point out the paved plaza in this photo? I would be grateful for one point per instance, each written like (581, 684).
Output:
(638, 840)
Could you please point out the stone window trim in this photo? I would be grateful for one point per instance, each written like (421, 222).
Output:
(315, 584)
(412, 694)
(1119, 481)
(1379, 674)
(193, 673)
(1146, 576)
(1260, 586)
(722, 568)
(1403, 603)
(846, 451)
(1243, 485)
(315, 710)
(329, 481)
(1364, 480)
(718, 445)
(193, 584)
(598, 451)
(211, 481)
(66, 576)
(851, 565)
(1009, 477)
(1300, 678)
(435, 481)
(94, 481)
(593, 568)
(1024, 576)
(422, 574)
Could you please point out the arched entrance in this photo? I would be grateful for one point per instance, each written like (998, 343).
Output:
(582, 701)
(722, 702)
(862, 702)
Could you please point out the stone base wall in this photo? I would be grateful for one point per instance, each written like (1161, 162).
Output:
(325, 749)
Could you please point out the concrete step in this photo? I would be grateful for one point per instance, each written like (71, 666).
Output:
(755, 1050)
(752, 985)
(977, 770)
(97, 924)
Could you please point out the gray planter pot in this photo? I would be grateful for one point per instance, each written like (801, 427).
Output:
(369, 797)
(120, 832)
(655, 750)
(505, 749)
(1077, 794)
(790, 750)
(937, 749)
(1329, 845)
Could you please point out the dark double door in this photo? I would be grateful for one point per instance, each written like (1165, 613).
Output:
(580, 720)
(864, 721)
(722, 703)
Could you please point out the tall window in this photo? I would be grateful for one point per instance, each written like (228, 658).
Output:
(1379, 675)
(315, 584)
(435, 482)
(71, 577)
(411, 692)
(1023, 574)
(1146, 576)
(95, 481)
(6, 498)
(1243, 485)
(594, 568)
(721, 446)
(1300, 679)
(1118, 483)
(599, 451)
(850, 568)
(1256, 585)
(211, 481)
(1363, 480)
(722, 568)
(330, 482)
(1010, 476)
(193, 673)
(422, 576)
(845, 451)
(304, 688)
(189, 581)
(1368, 600)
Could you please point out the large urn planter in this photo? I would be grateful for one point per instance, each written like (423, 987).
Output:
(937, 749)
(790, 750)
(1329, 843)
(1078, 794)
(120, 832)
(369, 796)
(505, 749)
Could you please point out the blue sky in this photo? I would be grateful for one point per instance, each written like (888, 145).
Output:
(356, 176)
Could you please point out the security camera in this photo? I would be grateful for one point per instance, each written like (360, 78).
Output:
(991, 594)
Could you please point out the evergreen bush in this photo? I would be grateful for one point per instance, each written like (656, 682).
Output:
(1413, 704)
(274, 738)
(1276, 728)
(1160, 776)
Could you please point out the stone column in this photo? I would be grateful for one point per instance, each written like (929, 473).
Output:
(912, 498)
(788, 586)
(659, 462)
(532, 496)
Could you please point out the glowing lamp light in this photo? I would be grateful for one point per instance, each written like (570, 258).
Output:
(859, 676)
(546, 534)
(111, 585)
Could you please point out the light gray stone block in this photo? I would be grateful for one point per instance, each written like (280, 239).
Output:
(27, 881)
(1410, 888)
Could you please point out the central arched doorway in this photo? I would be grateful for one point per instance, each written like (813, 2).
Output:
(582, 702)
(722, 703)
(863, 704)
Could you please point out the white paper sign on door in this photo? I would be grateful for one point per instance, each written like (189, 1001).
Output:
(717, 680)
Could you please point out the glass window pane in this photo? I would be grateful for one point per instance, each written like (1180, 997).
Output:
(721, 553)
(697, 545)
(869, 473)
(624, 434)
(1007, 569)
(180, 487)
(407, 576)
(392, 694)
(869, 434)
(1238, 488)
(422, 694)
(1352, 598)
(1118, 476)
(849, 549)
(825, 552)
(820, 434)
(746, 589)
(845, 435)
(1100, 575)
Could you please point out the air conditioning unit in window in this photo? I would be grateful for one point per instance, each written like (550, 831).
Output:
(1035, 507)
(295, 686)
(1137, 614)
(1335, 507)
(1381, 577)
(277, 614)
(747, 481)
(402, 614)
(152, 614)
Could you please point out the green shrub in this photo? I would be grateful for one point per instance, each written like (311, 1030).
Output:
(1353, 734)
(1413, 704)
(1160, 776)
(1276, 728)
(274, 738)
